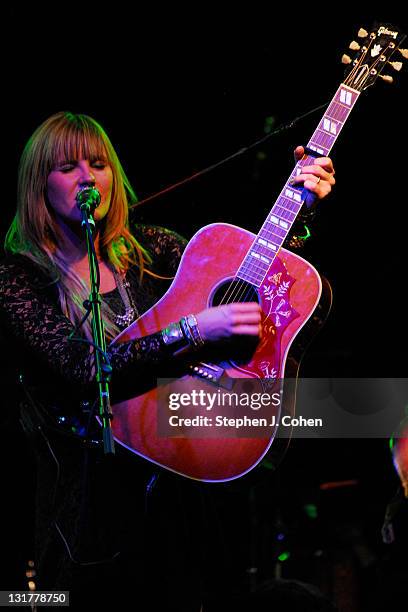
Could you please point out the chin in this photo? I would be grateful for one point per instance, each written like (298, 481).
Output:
(100, 214)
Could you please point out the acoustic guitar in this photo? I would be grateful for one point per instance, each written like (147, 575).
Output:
(223, 263)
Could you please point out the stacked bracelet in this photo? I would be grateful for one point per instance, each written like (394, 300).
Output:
(190, 330)
(195, 332)
(173, 334)
(183, 334)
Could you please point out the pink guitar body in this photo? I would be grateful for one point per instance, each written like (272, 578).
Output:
(288, 297)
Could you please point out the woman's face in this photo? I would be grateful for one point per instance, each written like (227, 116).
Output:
(68, 177)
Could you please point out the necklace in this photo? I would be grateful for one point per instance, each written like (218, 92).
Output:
(131, 312)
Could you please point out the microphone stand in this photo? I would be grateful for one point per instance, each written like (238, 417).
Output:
(103, 370)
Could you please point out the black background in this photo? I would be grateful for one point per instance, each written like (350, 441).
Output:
(178, 91)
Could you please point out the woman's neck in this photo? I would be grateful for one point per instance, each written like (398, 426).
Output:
(72, 242)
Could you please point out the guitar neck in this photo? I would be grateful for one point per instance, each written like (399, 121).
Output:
(280, 219)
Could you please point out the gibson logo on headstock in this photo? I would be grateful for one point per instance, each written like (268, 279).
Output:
(384, 30)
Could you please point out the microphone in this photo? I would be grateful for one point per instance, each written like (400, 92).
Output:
(88, 198)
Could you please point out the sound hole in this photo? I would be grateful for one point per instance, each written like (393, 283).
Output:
(240, 347)
(234, 291)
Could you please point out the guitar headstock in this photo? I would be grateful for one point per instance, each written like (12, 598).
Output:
(374, 51)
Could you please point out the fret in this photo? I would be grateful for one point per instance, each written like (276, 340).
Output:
(256, 275)
(329, 126)
(317, 148)
(294, 206)
(250, 267)
(338, 111)
(256, 266)
(282, 222)
(256, 282)
(275, 236)
(283, 213)
(334, 109)
(267, 244)
(261, 246)
(258, 255)
(271, 245)
(345, 97)
(338, 114)
(344, 100)
(275, 230)
(254, 261)
(292, 195)
(343, 104)
(323, 139)
(327, 132)
(256, 272)
(263, 251)
(272, 235)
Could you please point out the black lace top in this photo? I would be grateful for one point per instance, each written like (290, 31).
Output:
(36, 332)
(31, 316)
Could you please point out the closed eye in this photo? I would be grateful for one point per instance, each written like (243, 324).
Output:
(69, 165)
(66, 168)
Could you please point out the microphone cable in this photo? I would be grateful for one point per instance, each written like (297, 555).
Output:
(241, 151)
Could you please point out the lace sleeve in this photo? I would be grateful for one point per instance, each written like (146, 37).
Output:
(31, 317)
(166, 247)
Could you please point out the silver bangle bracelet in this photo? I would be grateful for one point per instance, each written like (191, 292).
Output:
(187, 332)
(195, 332)
(173, 334)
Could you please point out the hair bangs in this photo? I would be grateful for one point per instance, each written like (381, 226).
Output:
(77, 138)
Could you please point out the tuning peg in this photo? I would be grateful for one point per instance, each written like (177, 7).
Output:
(345, 59)
(396, 65)
(354, 46)
(404, 53)
(386, 78)
(362, 33)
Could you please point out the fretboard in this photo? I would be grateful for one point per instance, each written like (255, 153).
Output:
(279, 221)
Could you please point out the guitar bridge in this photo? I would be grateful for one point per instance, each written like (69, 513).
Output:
(212, 373)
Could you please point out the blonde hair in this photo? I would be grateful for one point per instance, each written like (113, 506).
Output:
(34, 231)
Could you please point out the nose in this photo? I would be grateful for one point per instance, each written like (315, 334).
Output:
(86, 176)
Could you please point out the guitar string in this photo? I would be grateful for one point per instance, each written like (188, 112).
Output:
(237, 292)
(240, 290)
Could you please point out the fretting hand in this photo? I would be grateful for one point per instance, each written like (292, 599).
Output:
(317, 178)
